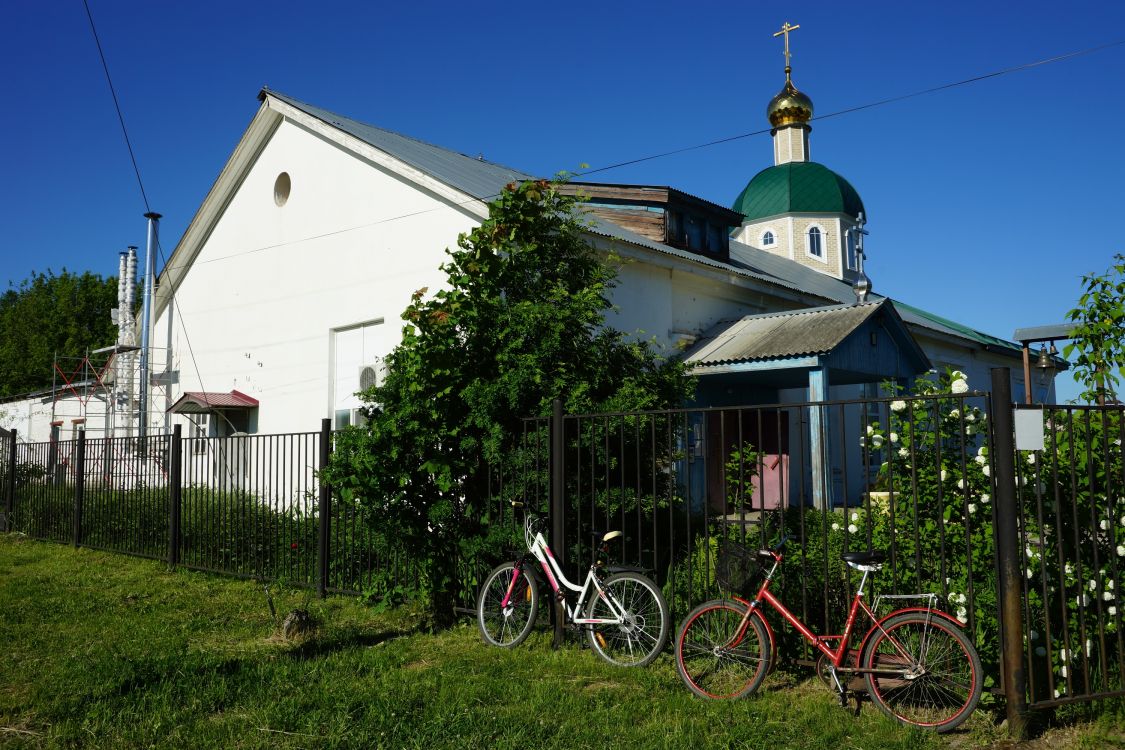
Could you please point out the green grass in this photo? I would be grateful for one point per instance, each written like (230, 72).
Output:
(101, 650)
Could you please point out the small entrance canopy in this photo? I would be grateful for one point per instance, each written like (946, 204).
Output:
(202, 402)
(862, 343)
(812, 348)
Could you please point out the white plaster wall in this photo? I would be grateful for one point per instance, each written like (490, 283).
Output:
(271, 282)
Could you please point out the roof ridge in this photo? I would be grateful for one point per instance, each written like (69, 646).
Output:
(313, 111)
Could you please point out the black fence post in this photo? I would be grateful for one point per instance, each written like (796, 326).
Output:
(1008, 560)
(79, 485)
(10, 483)
(175, 494)
(324, 508)
(558, 543)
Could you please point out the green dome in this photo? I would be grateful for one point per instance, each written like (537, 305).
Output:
(799, 186)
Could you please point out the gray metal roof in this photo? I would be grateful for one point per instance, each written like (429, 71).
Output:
(815, 331)
(476, 177)
(485, 180)
(1045, 333)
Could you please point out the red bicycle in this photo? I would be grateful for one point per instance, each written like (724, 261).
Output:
(919, 666)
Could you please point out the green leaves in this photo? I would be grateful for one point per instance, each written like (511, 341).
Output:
(1098, 339)
(520, 321)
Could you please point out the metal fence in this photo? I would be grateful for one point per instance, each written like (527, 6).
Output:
(898, 474)
(1024, 543)
(247, 505)
(1072, 554)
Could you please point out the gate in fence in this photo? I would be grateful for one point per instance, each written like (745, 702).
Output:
(7, 476)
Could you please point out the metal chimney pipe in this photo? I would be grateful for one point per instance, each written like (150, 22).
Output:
(146, 321)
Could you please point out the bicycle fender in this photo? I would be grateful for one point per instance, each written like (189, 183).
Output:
(920, 610)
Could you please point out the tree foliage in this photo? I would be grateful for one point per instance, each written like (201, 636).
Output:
(52, 315)
(520, 322)
(1099, 333)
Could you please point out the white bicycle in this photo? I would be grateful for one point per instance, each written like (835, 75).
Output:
(622, 611)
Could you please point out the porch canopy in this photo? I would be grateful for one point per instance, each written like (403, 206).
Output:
(748, 359)
(201, 402)
(837, 344)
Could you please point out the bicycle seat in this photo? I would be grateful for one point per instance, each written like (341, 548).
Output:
(866, 560)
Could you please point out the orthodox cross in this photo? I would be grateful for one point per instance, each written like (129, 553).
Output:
(785, 29)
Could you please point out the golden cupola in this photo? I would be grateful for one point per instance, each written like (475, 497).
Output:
(790, 106)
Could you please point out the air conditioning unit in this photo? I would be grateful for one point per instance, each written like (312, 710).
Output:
(371, 375)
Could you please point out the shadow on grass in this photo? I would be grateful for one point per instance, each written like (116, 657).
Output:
(317, 646)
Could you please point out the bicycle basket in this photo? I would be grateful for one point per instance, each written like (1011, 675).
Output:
(735, 566)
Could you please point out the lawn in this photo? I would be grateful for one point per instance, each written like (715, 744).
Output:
(102, 650)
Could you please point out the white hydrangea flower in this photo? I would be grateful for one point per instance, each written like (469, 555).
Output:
(852, 528)
(1031, 458)
(877, 441)
(961, 598)
(1112, 611)
(1121, 550)
(972, 507)
(960, 385)
(954, 413)
(943, 475)
(970, 417)
(962, 614)
(870, 430)
(985, 498)
(898, 405)
(1062, 671)
(894, 437)
(1089, 646)
(903, 452)
(1109, 584)
(1104, 525)
(960, 484)
(1062, 654)
(1107, 596)
(982, 460)
(1092, 584)
(987, 470)
(835, 527)
(1057, 693)
(855, 515)
(1069, 569)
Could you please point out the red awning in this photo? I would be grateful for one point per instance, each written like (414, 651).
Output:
(200, 402)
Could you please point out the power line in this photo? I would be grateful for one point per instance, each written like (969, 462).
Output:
(117, 106)
(696, 147)
(869, 105)
(140, 182)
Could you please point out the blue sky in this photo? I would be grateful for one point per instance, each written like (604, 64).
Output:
(986, 202)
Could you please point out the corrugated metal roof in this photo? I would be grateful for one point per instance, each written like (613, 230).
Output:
(195, 402)
(476, 177)
(799, 333)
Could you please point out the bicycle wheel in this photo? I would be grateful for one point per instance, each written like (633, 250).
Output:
(643, 634)
(507, 626)
(929, 673)
(716, 657)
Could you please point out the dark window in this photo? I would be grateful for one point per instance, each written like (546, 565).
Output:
(815, 246)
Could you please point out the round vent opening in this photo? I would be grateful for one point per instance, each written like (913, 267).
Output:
(281, 187)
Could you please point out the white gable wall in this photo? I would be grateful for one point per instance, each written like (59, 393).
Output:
(271, 284)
